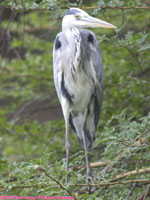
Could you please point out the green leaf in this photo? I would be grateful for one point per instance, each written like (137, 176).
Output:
(3, 166)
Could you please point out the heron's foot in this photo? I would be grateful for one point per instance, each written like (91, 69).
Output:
(89, 180)
(89, 177)
(67, 178)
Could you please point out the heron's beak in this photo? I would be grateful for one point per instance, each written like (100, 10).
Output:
(94, 22)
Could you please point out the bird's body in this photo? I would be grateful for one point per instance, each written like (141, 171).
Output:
(78, 76)
(82, 79)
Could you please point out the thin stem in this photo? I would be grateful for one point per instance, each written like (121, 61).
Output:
(85, 8)
(109, 183)
(56, 181)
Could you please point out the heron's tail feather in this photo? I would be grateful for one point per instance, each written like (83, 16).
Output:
(89, 140)
(76, 122)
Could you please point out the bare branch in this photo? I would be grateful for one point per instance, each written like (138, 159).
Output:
(109, 182)
(118, 7)
(134, 172)
(137, 143)
(115, 180)
(110, 164)
(145, 194)
(19, 187)
(85, 8)
(56, 181)
(24, 107)
(102, 184)
(96, 164)
(135, 58)
(130, 191)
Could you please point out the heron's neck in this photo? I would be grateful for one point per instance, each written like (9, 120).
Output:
(74, 40)
(77, 46)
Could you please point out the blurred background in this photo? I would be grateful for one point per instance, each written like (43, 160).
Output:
(32, 127)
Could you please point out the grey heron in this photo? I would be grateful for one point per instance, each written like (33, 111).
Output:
(78, 77)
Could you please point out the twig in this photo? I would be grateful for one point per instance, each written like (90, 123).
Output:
(118, 7)
(102, 184)
(134, 172)
(2, 189)
(146, 192)
(109, 182)
(123, 18)
(137, 142)
(24, 107)
(85, 8)
(130, 191)
(96, 164)
(76, 154)
(56, 181)
(115, 180)
(109, 164)
(136, 59)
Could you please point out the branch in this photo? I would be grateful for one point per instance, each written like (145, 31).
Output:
(18, 187)
(109, 164)
(135, 58)
(56, 181)
(130, 191)
(138, 142)
(101, 184)
(118, 7)
(82, 7)
(24, 107)
(134, 172)
(96, 164)
(115, 180)
(145, 194)
(108, 183)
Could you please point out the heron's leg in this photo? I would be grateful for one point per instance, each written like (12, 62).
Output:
(67, 148)
(65, 108)
(88, 172)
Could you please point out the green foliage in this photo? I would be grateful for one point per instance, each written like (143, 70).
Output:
(119, 136)
(32, 153)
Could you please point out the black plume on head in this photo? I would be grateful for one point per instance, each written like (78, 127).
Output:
(72, 11)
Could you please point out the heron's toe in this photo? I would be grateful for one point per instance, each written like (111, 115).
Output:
(89, 177)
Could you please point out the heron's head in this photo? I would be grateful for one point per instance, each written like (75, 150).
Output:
(78, 18)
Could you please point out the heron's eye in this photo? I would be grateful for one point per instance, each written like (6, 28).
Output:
(77, 16)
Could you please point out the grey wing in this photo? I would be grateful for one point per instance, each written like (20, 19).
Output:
(60, 42)
(91, 50)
